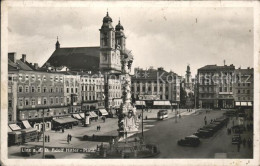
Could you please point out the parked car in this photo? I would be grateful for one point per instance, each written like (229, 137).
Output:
(238, 129)
(236, 139)
(203, 133)
(192, 140)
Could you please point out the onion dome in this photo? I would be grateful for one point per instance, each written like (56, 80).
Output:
(107, 19)
(119, 26)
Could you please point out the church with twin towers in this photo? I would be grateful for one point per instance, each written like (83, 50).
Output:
(103, 58)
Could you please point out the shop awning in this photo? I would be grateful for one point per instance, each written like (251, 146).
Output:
(103, 112)
(237, 103)
(140, 103)
(65, 120)
(29, 130)
(93, 114)
(249, 103)
(243, 103)
(26, 124)
(82, 115)
(9, 130)
(162, 103)
(77, 116)
(14, 127)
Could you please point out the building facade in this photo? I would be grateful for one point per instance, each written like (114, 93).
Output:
(156, 84)
(244, 87)
(215, 87)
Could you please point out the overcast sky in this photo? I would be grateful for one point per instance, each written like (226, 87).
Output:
(167, 37)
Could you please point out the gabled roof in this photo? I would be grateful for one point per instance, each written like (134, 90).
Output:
(76, 58)
(215, 67)
(22, 65)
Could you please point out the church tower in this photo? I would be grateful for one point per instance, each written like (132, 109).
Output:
(109, 56)
(57, 43)
(188, 78)
(120, 36)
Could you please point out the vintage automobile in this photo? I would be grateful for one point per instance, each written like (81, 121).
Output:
(162, 114)
(49, 156)
(209, 129)
(192, 140)
(236, 139)
(238, 129)
(203, 134)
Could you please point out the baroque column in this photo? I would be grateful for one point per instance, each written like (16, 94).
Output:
(127, 120)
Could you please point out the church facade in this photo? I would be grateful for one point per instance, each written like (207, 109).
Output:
(105, 59)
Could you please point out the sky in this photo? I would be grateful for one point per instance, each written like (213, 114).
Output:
(165, 37)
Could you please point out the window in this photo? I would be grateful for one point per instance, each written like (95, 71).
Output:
(238, 91)
(33, 101)
(68, 99)
(39, 100)
(9, 89)
(76, 90)
(10, 103)
(248, 91)
(82, 88)
(33, 89)
(51, 90)
(61, 100)
(155, 89)
(20, 102)
(143, 89)
(20, 89)
(57, 89)
(26, 102)
(52, 101)
(44, 101)
(68, 90)
(45, 89)
(61, 89)
(27, 89)
(39, 89)
(57, 100)
(230, 89)
(72, 90)
(238, 84)
(220, 89)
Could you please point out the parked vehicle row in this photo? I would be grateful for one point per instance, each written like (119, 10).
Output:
(204, 132)
(209, 130)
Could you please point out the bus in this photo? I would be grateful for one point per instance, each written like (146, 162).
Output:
(162, 114)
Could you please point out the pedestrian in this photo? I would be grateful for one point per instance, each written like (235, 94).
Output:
(205, 118)
(244, 142)
(68, 140)
(97, 128)
(45, 139)
(238, 147)
(70, 137)
(48, 138)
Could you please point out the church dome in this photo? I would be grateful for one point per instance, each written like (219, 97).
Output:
(119, 26)
(107, 19)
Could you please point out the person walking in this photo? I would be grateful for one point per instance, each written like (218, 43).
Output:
(68, 140)
(238, 147)
(97, 127)
(244, 142)
(48, 138)
(70, 137)
(45, 139)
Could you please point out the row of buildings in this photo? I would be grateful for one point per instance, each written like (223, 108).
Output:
(76, 79)
(225, 87)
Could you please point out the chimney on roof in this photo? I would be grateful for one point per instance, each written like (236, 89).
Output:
(36, 66)
(24, 57)
(12, 56)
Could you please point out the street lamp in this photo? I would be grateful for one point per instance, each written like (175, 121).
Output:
(142, 119)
